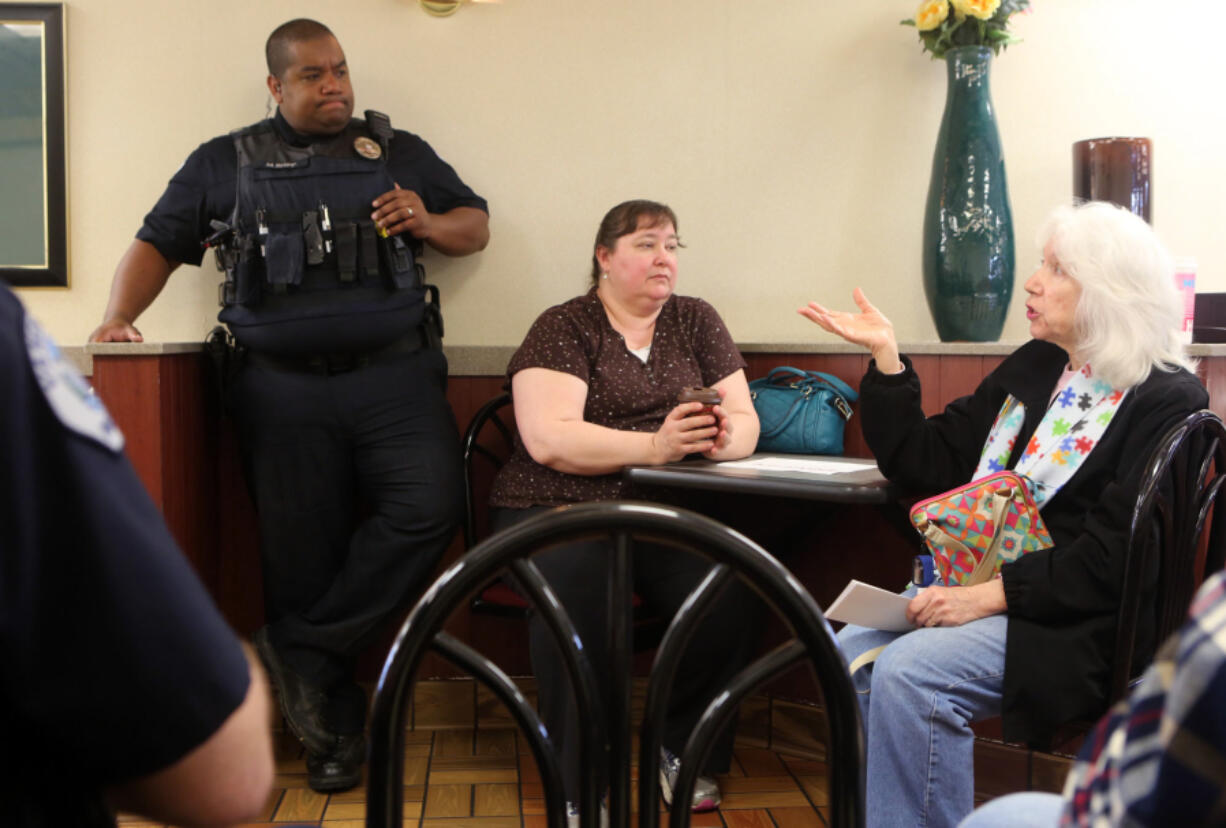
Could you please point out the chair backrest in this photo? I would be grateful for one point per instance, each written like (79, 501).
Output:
(1174, 523)
(732, 556)
(488, 442)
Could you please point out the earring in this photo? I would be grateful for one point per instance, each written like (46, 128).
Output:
(604, 275)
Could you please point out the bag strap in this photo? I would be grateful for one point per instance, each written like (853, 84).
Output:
(792, 411)
(864, 659)
(777, 375)
(936, 536)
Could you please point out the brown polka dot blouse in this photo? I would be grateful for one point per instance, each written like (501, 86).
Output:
(690, 346)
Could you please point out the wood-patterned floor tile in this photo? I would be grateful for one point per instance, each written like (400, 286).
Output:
(798, 728)
(817, 788)
(527, 767)
(448, 801)
(415, 770)
(450, 744)
(443, 704)
(748, 819)
(470, 762)
(472, 776)
(344, 810)
(796, 818)
(495, 743)
(802, 766)
(764, 799)
(301, 805)
(759, 762)
(473, 822)
(416, 750)
(495, 800)
(756, 784)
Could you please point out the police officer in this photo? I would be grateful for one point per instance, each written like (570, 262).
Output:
(121, 684)
(340, 397)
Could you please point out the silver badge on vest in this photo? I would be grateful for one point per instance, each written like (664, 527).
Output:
(367, 148)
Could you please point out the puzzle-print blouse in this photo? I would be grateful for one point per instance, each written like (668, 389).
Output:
(1061, 601)
(690, 346)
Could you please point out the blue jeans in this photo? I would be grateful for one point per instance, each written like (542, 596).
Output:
(1029, 809)
(918, 700)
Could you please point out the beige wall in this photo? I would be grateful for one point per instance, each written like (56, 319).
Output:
(793, 137)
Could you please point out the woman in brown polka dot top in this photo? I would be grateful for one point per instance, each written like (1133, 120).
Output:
(595, 386)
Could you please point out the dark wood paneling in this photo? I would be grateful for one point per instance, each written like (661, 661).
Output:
(129, 388)
(160, 404)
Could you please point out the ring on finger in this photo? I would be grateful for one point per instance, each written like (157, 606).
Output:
(410, 211)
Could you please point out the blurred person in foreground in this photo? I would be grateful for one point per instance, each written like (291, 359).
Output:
(1158, 758)
(1076, 412)
(122, 686)
(595, 386)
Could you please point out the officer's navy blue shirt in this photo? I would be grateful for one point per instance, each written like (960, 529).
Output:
(204, 189)
(114, 662)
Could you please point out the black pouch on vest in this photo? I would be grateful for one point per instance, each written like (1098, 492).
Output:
(368, 252)
(398, 263)
(346, 237)
(248, 272)
(284, 254)
(312, 237)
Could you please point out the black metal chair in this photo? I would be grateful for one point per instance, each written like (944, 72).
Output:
(488, 441)
(485, 451)
(1168, 536)
(732, 556)
(1176, 538)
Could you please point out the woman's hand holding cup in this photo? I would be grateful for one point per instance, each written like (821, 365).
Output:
(696, 425)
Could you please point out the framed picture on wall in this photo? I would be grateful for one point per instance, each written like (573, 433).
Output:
(33, 201)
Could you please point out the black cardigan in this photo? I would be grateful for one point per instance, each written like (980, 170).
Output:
(1062, 601)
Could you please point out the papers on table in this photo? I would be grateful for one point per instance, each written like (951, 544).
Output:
(799, 463)
(870, 606)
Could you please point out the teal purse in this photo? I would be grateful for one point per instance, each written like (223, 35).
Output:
(801, 412)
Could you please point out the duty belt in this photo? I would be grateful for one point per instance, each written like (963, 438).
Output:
(341, 363)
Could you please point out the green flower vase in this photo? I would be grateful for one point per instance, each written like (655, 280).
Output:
(968, 226)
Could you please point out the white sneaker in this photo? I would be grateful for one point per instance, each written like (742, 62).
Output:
(572, 815)
(706, 790)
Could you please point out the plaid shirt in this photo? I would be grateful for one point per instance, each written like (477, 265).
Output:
(1158, 758)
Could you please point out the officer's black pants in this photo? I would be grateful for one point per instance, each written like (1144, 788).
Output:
(318, 447)
(663, 576)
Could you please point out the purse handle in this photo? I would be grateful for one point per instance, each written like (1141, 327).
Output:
(934, 534)
(837, 385)
(792, 411)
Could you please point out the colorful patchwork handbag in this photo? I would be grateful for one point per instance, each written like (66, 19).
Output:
(973, 529)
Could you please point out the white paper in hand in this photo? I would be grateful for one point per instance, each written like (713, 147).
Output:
(869, 606)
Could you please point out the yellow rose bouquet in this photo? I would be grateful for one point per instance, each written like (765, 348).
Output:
(944, 24)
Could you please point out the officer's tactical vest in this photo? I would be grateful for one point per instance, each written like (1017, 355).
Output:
(308, 271)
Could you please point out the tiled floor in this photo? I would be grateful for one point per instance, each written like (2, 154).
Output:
(465, 767)
(467, 778)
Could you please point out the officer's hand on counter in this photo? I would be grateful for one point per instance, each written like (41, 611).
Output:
(116, 330)
(401, 211)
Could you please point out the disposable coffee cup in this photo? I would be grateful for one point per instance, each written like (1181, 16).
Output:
(709, 398)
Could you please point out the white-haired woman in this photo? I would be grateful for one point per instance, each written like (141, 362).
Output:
(1077, 412)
